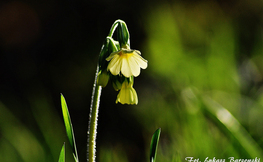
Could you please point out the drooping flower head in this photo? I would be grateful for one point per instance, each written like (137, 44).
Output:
(120, 64)
(127, 94)
(126, 62)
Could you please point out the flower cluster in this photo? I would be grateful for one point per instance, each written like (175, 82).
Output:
(120, 64)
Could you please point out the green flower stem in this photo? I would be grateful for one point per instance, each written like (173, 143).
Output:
(93, 119)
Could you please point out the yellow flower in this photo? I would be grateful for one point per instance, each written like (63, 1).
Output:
(127, 94)
(126, 61)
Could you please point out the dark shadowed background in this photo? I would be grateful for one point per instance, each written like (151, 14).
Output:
(203, 84)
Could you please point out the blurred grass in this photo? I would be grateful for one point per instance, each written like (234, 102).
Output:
(22, 144)
(190, 49)
(204, 57)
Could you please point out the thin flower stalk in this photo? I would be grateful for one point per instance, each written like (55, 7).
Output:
(93, 120)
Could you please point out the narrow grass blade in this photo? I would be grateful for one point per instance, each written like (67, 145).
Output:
(232, 125)
(154, 145)
(62, 154)
(69, 128)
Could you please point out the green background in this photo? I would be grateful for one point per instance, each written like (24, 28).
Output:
(202, 87)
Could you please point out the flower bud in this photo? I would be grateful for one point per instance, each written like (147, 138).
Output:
(123, 35)
(103, 78)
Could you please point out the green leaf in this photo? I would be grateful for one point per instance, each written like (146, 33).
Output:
(62, 154)
(230, 124)
(69, 128)
(154, 145)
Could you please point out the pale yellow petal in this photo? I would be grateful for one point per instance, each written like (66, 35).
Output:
(131, 96)
(135, 68)
(125, 68)
(141, 61)
(135, 97)
(112, 55)
(123, 96)
(115, 65)
(127, 96)
(119, 97)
